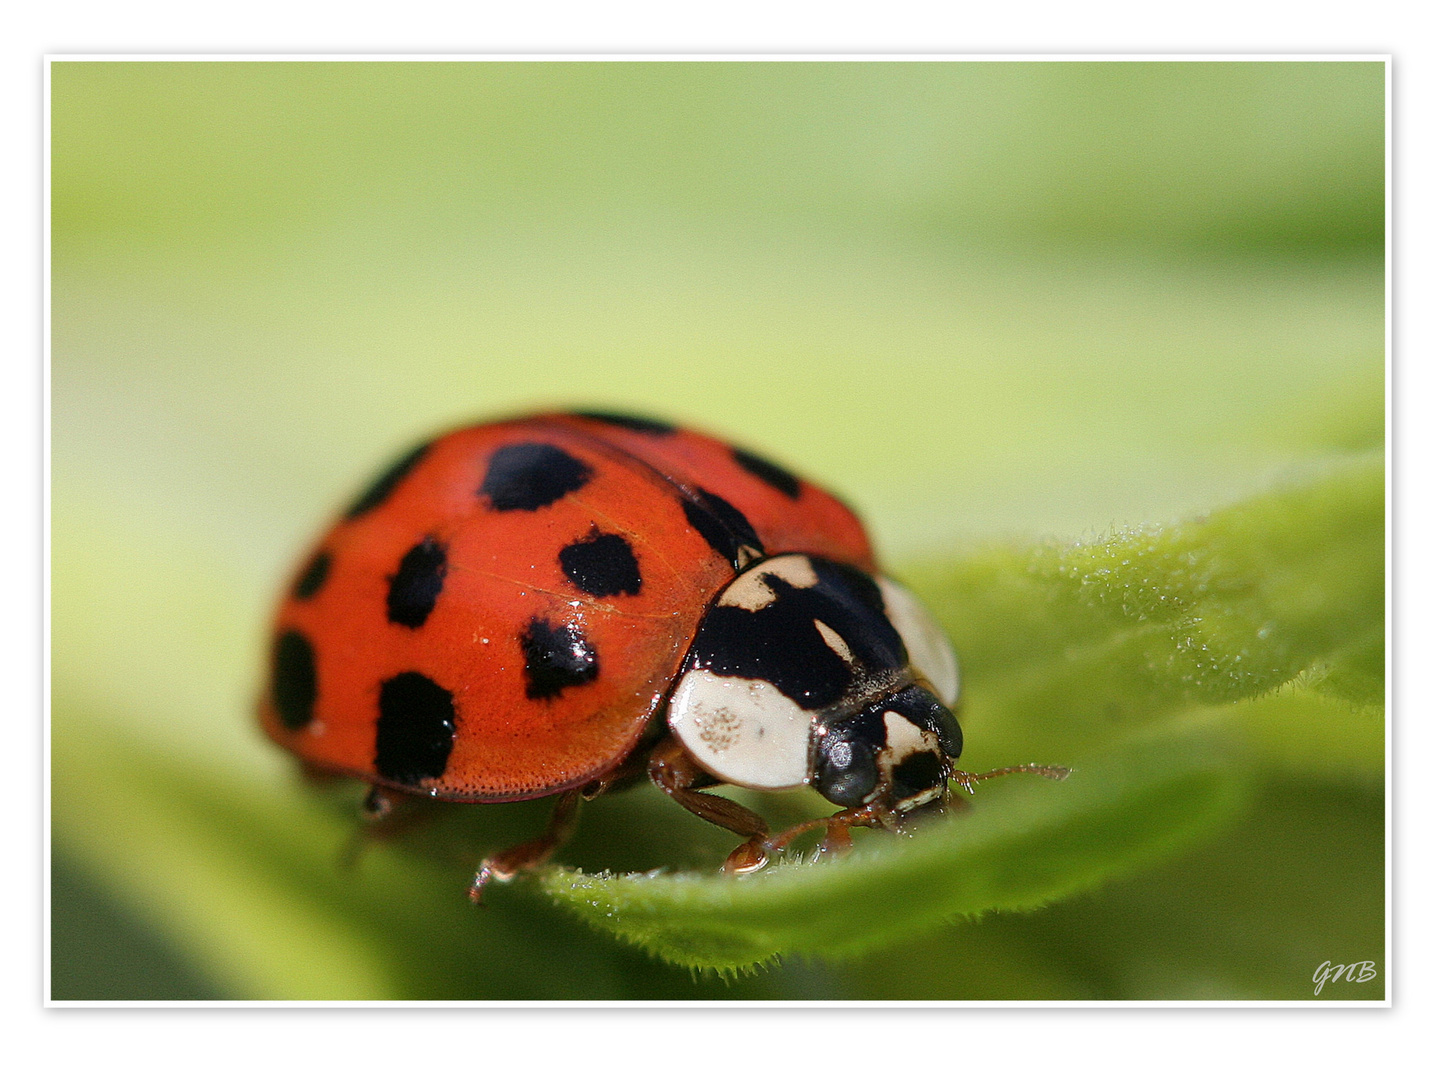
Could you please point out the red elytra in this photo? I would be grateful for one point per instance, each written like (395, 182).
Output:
(337, 644)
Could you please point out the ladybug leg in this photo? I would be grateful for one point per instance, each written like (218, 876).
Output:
(674, 773)
(383, 814)
(379, 804)
(837, 839)
(837, 829)
(532, 853)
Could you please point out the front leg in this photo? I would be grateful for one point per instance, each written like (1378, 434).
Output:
(837, 828)
(673, 772)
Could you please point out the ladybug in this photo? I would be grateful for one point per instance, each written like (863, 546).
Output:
(569, 602)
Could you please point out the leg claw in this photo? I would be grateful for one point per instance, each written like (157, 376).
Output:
(487, 873)
(747, 858)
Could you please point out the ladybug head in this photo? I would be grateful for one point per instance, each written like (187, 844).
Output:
(805, 670)
(896, 753)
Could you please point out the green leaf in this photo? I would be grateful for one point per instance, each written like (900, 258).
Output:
(250, 879)
(1025, 843)
(1067, 645)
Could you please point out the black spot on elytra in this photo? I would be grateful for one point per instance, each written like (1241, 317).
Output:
(312, 578)
(724, 528)
(634, 423)
(292, 679)
(556, 657)
(602, 564)
(380, 489)
(416, 730)
(416, 585)
(532, 475)
(782, 480)
(781, 644)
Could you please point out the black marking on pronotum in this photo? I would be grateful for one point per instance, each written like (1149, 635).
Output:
(532, 475)
(602, 564)
(312, 578)
(635, 423)
(781, 644)
(724, 528)
(782, 480)
(380, 489)
(556, 658)
(416, 585)
(860, 584)
(293, 685)
(416, 730)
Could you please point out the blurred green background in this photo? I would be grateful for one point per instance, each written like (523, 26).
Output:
(985, 302)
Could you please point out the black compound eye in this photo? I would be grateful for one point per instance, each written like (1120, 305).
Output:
(846, 771)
